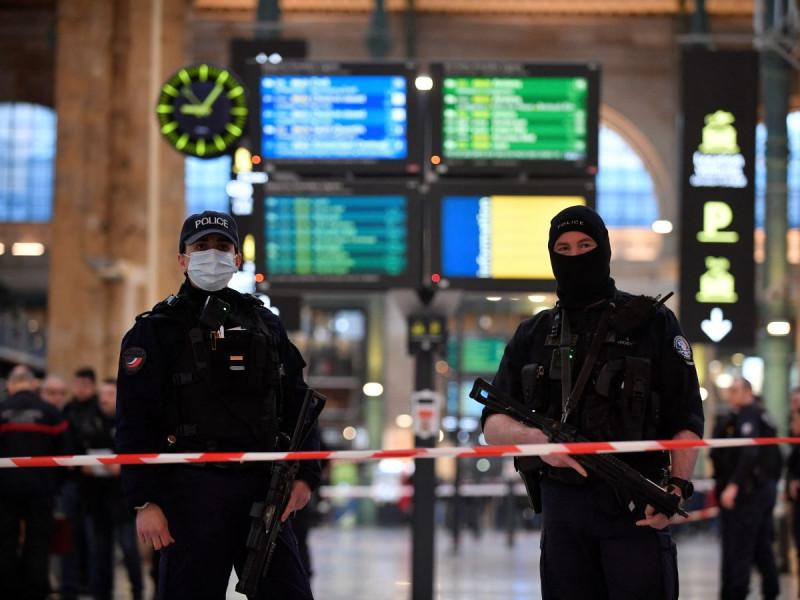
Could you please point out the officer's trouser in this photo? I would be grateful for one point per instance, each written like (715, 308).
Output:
(747, 536)
(207, 509)
(591, 548)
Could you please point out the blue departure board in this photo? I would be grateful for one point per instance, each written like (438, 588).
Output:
(334, 117)
(319, 238)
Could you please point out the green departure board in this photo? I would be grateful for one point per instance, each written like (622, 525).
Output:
(310, 237)
(528, 118)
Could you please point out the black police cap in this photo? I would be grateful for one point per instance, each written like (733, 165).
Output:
(207, 222)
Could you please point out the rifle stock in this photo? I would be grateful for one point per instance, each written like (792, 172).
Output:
(266, 516)
(607, 467)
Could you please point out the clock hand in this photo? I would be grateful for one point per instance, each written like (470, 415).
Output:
(194, 109)
(187, 91)
(212, 97)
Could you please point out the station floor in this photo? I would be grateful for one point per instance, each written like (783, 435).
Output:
(375, 564)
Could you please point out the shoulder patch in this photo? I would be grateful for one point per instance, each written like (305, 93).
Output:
(133, 359)
(684, 350)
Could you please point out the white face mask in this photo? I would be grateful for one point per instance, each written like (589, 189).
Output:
(211, 270)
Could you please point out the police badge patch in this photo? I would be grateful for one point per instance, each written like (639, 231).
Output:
(133, 359)
(683, 349)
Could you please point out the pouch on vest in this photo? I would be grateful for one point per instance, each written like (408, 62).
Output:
(625, 409)
(636, 419)
(240, 361)
(533, 392)
(530, 467)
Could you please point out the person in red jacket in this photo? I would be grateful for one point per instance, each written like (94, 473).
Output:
(28, 427)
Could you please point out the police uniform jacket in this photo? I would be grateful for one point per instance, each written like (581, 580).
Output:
(182, 389)
(643, 384)
(746, 466)
(29, 426)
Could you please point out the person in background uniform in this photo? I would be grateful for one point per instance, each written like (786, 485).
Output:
(746, 480)
(641, 384)
(210, 370)
(54, 391)
(793, 469)
(28, 427)
(85, 422)
(105, 508)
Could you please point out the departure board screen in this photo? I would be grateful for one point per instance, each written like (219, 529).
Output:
(334, 117)
(335, 239)
(529, 118)
(493, 237)
(514, 118)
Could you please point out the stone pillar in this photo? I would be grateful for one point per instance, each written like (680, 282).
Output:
(119, 188)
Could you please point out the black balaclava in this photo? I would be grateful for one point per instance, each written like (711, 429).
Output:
(586, 278)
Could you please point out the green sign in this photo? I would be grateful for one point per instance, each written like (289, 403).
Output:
(478, 355)
(534, 118)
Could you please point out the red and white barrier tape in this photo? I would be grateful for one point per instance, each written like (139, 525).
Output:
(368, 455)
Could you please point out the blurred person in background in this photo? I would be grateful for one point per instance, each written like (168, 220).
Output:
(85, 421)
(28, 427)
(793, 469)
(105, 507)
(746, 481)
(54, 391)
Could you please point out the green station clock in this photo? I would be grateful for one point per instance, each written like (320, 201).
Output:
(202, 110)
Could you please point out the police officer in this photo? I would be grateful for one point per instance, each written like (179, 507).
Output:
(746, 482)
(619, 368)
(210, 369)
(28, 427)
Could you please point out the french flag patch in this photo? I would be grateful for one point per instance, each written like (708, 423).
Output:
(133, 359)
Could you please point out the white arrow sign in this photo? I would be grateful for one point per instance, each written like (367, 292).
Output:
(716, 327)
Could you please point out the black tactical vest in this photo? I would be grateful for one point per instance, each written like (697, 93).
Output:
(225, 390)
(618, 402)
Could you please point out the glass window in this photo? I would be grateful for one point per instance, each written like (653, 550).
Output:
(205, 184)
(27, 155)
(625, 193)
(793, 175)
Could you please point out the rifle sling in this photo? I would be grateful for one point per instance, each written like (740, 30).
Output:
(569, 401)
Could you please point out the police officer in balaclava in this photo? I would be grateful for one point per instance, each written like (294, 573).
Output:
(642, 384)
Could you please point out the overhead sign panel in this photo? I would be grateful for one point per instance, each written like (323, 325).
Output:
(536, 118)
(334, 117)
(493, 236)
(720, 100)
(335, 236)
(514, 117)
(321, 118)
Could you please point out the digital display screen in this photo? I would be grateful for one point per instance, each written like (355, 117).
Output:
(528, 118)
(498, 236)
(334, 117)
(478, 355)
(336, 238)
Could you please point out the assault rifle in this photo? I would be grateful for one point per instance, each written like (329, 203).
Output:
(266, 516)
(618, 474)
